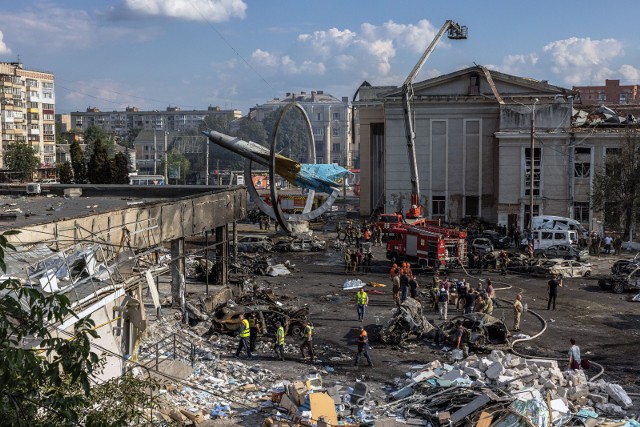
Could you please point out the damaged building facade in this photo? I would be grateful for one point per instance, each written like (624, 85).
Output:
(108, 263)
(473, 147)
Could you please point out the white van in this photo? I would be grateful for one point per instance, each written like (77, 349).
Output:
(542, 239)
(551, 222)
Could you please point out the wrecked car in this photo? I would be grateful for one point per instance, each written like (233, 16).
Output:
(407, 323)
(625, 265)
(620, 283)
(299, 245)
(563, 268)
(254, 243)
(487, 332)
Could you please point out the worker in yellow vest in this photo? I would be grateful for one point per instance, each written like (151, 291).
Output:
(279, 347)
(362, 300)
(244, 337)
(307, 341)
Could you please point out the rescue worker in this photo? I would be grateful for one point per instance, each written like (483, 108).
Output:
(307, 341)
(461, 338)
(443, 303)
(362, 300)
(347, 260)
(413, 286)
(363, 347)
(254, 331)
(404, 285)
(517, 312)
(503, 259)
(367, 234)
(244, 337)
(488, 305)
(395, 279)
(279, 344)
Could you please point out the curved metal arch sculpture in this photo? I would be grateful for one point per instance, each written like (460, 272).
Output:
(274, 211)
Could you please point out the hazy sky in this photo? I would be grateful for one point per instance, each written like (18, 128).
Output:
(238, 53)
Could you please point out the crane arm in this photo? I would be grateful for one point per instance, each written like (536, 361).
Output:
(455, 31)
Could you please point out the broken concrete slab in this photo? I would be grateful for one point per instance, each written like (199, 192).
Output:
(469, 408)
(618, 394)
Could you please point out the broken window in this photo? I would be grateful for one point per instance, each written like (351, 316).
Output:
(581, 211)
(471, 205)
(438, 206)
(582, 170)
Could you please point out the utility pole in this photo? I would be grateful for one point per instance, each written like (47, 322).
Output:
(533, 160)
(155, 153)
(206, 179)
(166, 163)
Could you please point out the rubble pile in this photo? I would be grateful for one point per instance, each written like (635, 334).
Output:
(504, 390)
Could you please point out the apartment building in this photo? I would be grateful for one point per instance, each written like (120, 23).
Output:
(118, 123)
(330, 122)
(27, 111)
(611, 93)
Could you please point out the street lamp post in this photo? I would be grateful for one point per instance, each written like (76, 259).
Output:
(533, 158)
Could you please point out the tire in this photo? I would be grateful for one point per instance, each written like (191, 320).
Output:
(394, 258)
(540, 255)
(617, 288)
(587, 273)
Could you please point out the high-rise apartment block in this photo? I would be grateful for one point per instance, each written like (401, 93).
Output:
(27, 111)
(173, 119)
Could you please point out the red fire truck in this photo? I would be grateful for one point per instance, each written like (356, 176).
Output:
(431, 246)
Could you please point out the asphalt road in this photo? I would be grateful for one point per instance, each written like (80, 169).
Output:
(605, 325)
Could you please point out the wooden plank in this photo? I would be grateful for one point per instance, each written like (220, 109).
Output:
(485, 419)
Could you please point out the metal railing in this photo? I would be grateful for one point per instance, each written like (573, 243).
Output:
(171, 347)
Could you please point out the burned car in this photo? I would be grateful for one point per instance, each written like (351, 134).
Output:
(299, 245)
(563, 268)
(407, 323)
(487, 332)
(620, 283)
(625, 266)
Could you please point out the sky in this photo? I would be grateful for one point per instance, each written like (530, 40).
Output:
(192, 54)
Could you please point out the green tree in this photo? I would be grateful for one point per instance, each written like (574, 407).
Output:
(93, 134)
(616, 190)
(178, 166)
(292, 135)
(78, 163)
(120, 169)
(21, 158)
(99, 168)
(65, 172)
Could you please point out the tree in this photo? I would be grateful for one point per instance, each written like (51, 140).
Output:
(616, 190)
(78, 163)
(65, 172)
(21, 158)
(99, 168)
(178, 166)
(120, 169)
(292, 135)
(93, 134)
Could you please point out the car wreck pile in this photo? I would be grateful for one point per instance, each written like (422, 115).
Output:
(407, 323)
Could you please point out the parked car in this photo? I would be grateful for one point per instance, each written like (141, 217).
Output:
(563, 251)
(498, 240)
(254, 244)
(620, 283)
(563, 268)
(482, 245)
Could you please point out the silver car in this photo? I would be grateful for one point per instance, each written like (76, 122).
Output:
(254, 244)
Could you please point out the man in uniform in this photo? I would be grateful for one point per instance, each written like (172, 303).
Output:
(307, 341)
(517, 312)
(363, 347)
(362, 300)
(461, 338)
(279, 345)
(395, 280)
(244, 337)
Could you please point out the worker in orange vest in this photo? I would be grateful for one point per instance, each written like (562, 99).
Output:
(363, 347)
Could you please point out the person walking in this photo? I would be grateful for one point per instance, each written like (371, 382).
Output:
(517, 312)
(574, 355)
(347, 260)
(469, 301)
(244, 337)
(363, 347)
(461, 338)
(279, 344)
(443, 303)
(553, 286)
(254, 331)
(362, 300)
(307, 342)
(395, 280)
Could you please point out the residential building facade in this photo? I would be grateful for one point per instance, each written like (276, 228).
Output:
(119, 123)
(27, 111)
(611, 93)
(330, 121)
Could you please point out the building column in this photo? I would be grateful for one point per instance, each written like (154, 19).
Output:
(222, 254)
(177, 273)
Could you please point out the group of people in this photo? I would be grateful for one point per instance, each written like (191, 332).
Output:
(597, 244)
(404, 282)
(250, 328)
(467, 299)
(356, 234)
(357, 261)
